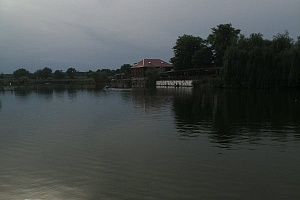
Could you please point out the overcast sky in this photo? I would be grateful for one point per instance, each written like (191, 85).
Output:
(97, 34)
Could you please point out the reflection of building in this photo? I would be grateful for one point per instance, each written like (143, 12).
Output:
(139, 69)
(152, 100)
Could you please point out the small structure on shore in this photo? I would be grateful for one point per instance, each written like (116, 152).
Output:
(140, 68)
(185, 78)
(168, 77)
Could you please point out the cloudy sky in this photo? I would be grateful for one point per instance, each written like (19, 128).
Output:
(97, 34)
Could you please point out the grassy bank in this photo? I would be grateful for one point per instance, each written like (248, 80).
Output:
(28, 84)
(27, 81)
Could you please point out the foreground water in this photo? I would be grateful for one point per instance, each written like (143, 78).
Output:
(140, 144)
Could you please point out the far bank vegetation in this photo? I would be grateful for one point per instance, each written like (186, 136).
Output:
(70, 76)
(249, 62)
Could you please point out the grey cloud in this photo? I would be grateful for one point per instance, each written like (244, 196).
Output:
(89, 34)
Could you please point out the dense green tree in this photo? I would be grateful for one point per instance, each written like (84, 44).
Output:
(203, 57)
(185, 49)
(255, 62)
(294, 75)
(126, 69)
(108, 72)
(71, 72)
(44, 73)
(21, 73)
(38, 74)
(101, 76)
(282, 42)
(59, 74)
(220, 39)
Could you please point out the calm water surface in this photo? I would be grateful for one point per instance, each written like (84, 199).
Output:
(140, 144)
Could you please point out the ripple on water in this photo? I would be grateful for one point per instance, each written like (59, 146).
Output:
(144, 145)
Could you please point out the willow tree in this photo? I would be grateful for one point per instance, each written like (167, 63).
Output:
(255, 62)
(294, 75)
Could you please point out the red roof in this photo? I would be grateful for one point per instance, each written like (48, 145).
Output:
(152, 63)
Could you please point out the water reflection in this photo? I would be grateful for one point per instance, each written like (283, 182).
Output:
(52, 147)
(156, 98)
(46, 94)
(238, 116)
(22, 95)
(72, 94)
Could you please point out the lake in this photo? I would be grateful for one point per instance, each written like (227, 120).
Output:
(171, 143)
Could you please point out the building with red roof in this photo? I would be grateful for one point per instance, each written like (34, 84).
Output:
(139, 69)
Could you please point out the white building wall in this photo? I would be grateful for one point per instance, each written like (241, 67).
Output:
(173, 83)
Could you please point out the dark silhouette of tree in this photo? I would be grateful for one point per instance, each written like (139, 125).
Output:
(294, 76)
(44, 73)
(101, 76)
(38, 74)
(203, 57)
(255, 62)
(126, 69)
(220, 39)
(190, 52)
(21, 73)
(47, 72)
(71, 72)
(59, 74)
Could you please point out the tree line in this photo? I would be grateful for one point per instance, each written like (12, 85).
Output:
(192, 52)
(257, 62)
(246, 61)
(71, 73)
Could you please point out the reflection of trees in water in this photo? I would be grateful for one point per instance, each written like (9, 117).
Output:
(72, 93)
(22, 95)
(235, 116)
(47, 94)
(150, 99)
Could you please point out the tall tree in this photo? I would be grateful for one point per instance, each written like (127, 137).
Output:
(184, 50)
(203, 57)
(126, 69)
(220, 39)
(255, 62)
(294, 76)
